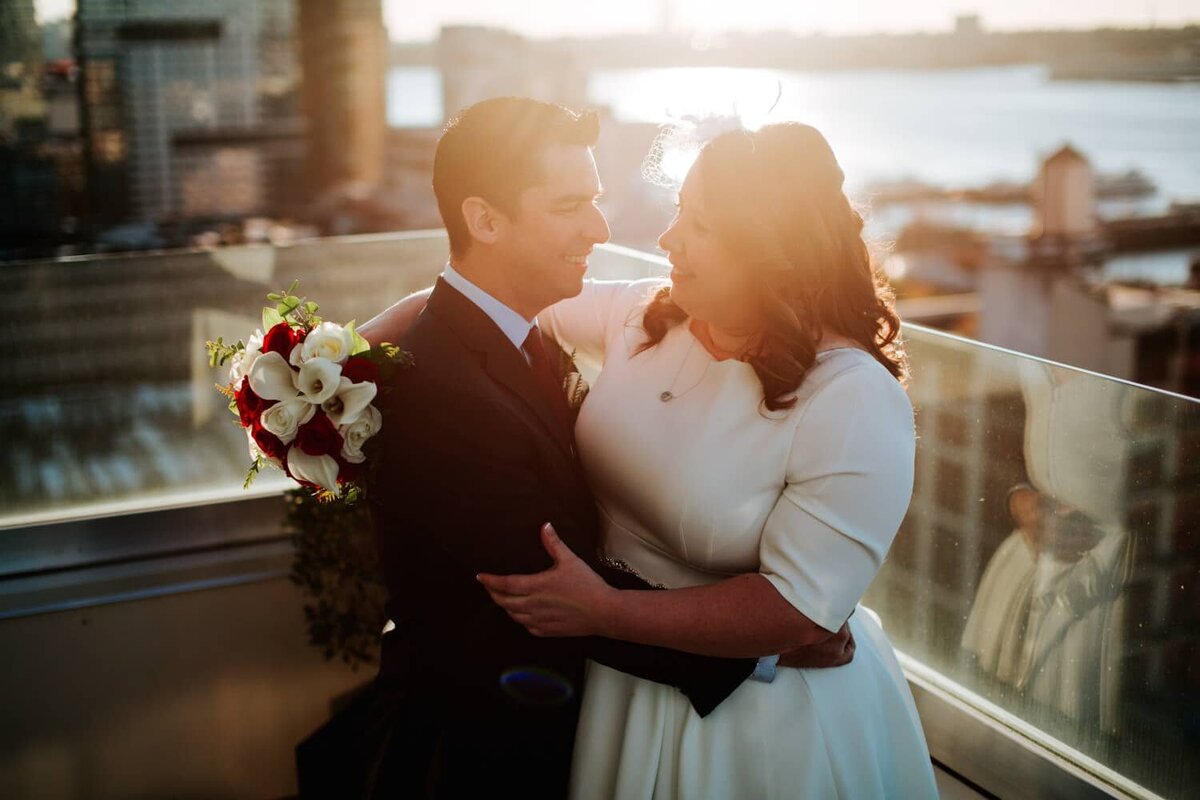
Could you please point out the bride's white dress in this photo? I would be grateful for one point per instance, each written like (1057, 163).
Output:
(708, 485)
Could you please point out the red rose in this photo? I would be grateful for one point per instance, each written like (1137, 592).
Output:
(249, 405)
(281, 339)
(270, 444)
(347, 472)
(359, 369)
(318, 437)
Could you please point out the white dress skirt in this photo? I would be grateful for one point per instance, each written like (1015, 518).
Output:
(707, 485)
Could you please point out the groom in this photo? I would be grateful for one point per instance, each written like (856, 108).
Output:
(475, 454)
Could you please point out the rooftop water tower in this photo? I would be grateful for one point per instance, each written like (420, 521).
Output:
(1064, 197)
(1032, 302)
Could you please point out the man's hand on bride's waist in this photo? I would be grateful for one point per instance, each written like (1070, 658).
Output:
(569, 599)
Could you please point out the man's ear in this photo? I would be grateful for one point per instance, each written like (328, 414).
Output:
(481, 218)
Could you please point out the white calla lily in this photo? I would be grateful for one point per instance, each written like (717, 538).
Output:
(271, 378)
(243, 360)
(355, 434)
(348, 401)
(321, 470)
(284, 418)
(318, 379)
(328, 340)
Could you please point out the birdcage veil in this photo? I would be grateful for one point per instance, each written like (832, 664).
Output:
(679, 141)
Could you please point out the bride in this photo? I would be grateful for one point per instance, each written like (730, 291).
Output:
(750, 446)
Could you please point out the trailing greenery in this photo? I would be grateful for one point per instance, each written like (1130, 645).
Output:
(337, 568)
(336, 563)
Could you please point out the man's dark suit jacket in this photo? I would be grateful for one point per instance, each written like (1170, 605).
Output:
(472, 461)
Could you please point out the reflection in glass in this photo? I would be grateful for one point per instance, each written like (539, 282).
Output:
(1049, 560)
(1047, 618)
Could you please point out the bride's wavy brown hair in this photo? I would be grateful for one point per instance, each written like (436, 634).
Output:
(774, 199)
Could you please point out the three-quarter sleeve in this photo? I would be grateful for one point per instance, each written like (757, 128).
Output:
(848, 486)
(587, 322)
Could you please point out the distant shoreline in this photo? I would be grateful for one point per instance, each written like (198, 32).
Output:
(1157, 55)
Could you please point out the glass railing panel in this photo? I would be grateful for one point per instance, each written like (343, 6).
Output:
(1048, 563)
(107, 402)
(1049, 560)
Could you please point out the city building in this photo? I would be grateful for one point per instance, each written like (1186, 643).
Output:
(1048, 294)
(20, 43)
(188, 111)
(344, 55)
(38, 149)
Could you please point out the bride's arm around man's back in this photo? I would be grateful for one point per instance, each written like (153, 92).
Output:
(392, 323)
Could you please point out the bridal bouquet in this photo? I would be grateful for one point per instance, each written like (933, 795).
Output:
(303, 393)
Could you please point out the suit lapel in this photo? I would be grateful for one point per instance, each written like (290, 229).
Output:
(510, 370)
(503, 362)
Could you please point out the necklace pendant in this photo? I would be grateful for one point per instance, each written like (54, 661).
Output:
(666, 397)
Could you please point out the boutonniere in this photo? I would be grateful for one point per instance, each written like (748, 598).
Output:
(574, 386)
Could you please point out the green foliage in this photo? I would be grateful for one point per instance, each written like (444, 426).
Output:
(337, 568)
(270, 318)
(298, 311)
(390, 358)
(219, 353)
(361, 345)
(255, 468)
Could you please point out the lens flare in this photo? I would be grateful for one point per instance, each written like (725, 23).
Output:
(535, 686)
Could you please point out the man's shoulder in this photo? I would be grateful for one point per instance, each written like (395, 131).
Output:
(431, 341)
(441, 363)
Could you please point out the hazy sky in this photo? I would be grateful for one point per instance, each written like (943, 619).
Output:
(412, 19)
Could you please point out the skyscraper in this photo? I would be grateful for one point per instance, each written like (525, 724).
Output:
(19, 38)
(185, 107)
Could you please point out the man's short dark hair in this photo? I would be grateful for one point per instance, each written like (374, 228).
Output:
(494, 149)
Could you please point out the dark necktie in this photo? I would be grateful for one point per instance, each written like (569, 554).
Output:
(547, 379)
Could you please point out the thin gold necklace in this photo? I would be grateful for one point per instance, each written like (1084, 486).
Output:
(668, 395)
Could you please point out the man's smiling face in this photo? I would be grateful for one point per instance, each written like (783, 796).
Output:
(547, 238)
